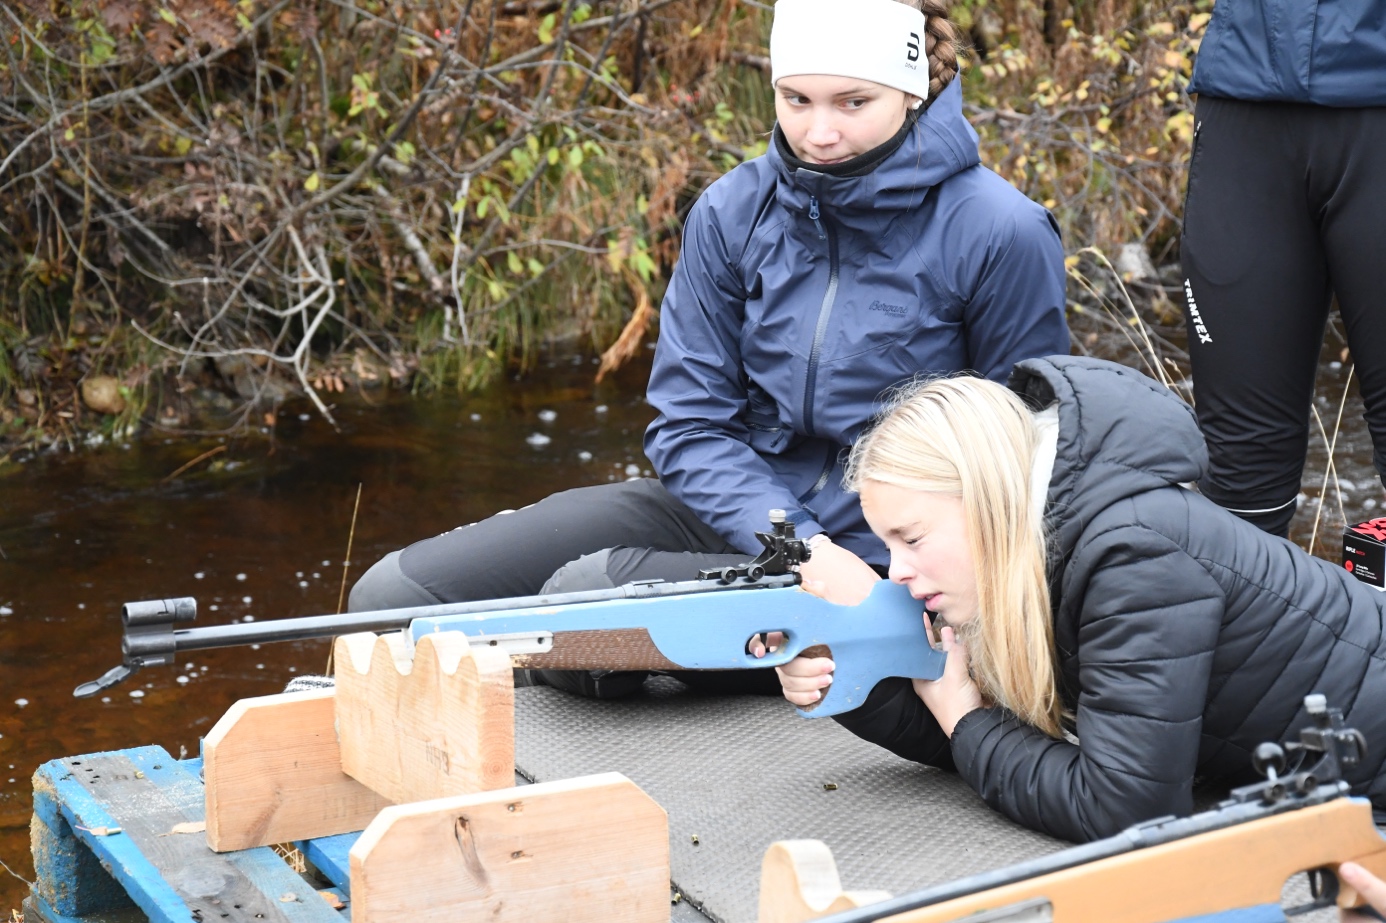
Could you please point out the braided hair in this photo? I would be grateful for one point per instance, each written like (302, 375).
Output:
(941, 44)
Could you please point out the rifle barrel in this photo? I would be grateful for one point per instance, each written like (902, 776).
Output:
(140, 641)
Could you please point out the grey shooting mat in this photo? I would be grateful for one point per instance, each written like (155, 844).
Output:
(739, 772)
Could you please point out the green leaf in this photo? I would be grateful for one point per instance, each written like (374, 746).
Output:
(581, 13)
(483, 207)
(167, 16)
(244, 22)
(552, 156)
(312, 182)
(546, 28)
(182, 144)
(575, 157)
(69, 135)
(513, 263)
(535, 267)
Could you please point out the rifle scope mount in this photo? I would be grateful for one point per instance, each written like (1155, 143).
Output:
(783, 552)
(1327, 745)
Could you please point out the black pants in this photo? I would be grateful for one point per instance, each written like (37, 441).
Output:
(584, 539)
(1286, 207)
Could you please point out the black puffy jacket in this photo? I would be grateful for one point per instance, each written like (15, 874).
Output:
(1184, 636)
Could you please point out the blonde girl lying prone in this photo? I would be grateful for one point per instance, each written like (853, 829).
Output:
(1079, 586)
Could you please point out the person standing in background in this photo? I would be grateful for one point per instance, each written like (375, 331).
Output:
(1285, 209)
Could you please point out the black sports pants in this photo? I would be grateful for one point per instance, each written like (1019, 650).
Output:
(583, 539)
(1286, 207)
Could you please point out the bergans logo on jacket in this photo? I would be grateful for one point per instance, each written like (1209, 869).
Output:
(897, 310)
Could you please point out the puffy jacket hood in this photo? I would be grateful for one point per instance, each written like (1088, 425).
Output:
(941, 144)
(1108, 450)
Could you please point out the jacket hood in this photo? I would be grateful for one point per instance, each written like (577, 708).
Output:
(941, 144)
(1120, 434)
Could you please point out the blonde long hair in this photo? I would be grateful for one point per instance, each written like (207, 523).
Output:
(974, 439)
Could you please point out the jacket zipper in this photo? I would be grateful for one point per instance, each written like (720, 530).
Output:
(825, 230)
(813, 214)
(829, 465)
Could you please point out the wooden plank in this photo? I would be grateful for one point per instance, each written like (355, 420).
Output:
(576, 851)
(36, 910)
(437, 724)
(799, 881)
(127, 806)
(1243, 867)
(273, 772)
(69, 880)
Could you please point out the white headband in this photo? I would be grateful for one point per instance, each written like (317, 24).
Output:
(877, 40)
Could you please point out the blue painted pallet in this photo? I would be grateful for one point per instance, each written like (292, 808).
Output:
(105, 851)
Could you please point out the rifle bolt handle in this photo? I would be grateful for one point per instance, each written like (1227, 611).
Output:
(1268, 759)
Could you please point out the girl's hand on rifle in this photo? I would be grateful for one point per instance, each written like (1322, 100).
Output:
(835, 574)
(953, 694)
(1372, 889)
(767, 642)
(803, 679)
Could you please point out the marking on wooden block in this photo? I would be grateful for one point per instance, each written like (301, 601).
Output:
(799, 881)
(576, 851)
(273, 771)
(439, 724)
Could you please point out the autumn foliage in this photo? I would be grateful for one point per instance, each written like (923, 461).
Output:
(283, 194)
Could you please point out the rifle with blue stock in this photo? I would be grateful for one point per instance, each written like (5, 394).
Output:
(702, 624)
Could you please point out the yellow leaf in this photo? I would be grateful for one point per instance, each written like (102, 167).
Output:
(167, 16)
(1198, 21)
(313, 182)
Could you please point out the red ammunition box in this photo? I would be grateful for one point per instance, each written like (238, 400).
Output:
(1364, 552)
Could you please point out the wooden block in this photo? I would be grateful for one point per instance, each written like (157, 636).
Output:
(798, 881)
(592, 849)
(437, 725)
(273, 771)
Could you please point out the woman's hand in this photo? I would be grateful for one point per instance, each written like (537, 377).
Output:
(1372, 889)
(835, 574)
(954, 694)
(803, 679)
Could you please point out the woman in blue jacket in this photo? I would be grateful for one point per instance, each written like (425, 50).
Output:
(866, 246)
(1287, 188)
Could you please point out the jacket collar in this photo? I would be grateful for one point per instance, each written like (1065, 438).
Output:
(941, 144)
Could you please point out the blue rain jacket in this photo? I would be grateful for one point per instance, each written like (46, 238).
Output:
(1327, 52)
(801, 298)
